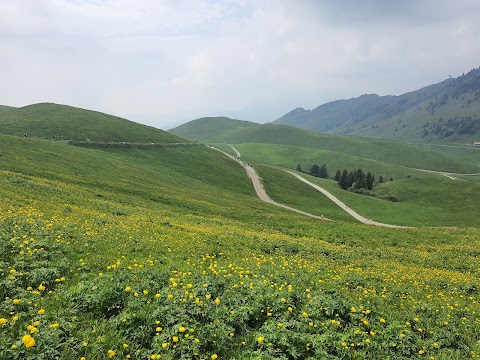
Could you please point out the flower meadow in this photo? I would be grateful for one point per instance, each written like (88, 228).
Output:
(81, 283)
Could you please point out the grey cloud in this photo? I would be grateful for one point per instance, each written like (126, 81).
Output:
(405, 12)
(163, 62)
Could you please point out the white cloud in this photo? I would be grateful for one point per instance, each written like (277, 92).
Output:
(164, 62)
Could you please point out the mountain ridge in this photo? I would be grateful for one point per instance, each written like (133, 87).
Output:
(370, 114)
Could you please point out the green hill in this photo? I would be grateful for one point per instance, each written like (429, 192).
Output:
(447, 111)
(206, 128)
(423, 199)
(165, 252)
(4, 108)
(62, 122)
(387, 151)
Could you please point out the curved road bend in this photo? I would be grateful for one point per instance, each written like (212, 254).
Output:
(343, 205)
(257, 185)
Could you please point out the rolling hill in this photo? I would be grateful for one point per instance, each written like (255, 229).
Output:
(447, 111)
(387, 151)
(4, 108)
(62, 122)
(204, 129)
(165, 252)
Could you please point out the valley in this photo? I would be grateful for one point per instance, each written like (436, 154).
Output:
(120, 248)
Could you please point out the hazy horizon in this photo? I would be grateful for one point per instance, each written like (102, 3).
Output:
(163, 63)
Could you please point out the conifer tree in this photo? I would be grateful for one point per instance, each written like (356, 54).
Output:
(314, 170)
(338, 175)
(369, 181)
(345, 180)
(323, 172)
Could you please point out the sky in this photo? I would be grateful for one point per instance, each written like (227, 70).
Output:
(166, 62)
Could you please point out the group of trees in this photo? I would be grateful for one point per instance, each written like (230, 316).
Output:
(355, 179)
(315, 170)
(457, 125)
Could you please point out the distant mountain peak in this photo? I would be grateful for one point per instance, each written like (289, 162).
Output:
(407, 116)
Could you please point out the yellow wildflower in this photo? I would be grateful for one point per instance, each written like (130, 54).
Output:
(28, 341)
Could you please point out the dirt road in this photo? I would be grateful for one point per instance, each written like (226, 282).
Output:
(343, 205)
(257, 185)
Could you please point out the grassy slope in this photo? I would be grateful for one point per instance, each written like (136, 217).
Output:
(280, 187)
(430, 208)
(103, 221)
(425, 199)
(290, 156)
(468, 153)
(4, 108)
(50, 121)
(204, 128)
(393, 152)
(182, 176)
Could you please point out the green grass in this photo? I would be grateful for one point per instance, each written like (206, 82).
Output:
(387, 151)
(4, 108)
(204, 128)
(185, 176)
(94, 227)
(290, 156)
(61, 122)
(468, 153)
(281, 187)
(225, 148)
(424, 200)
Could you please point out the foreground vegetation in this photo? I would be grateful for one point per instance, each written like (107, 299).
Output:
(112, 257)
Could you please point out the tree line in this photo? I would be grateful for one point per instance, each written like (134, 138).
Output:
(356, 179)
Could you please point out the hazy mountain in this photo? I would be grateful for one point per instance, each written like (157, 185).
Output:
(449, 110)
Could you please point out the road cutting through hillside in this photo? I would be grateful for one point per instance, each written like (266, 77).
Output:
(264, 197)
(342, 205)
(257, 185)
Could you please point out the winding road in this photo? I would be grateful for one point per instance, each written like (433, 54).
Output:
(264, 197)
(257, 185)
(342, 205)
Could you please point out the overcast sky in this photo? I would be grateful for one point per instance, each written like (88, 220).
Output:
(165, 62)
